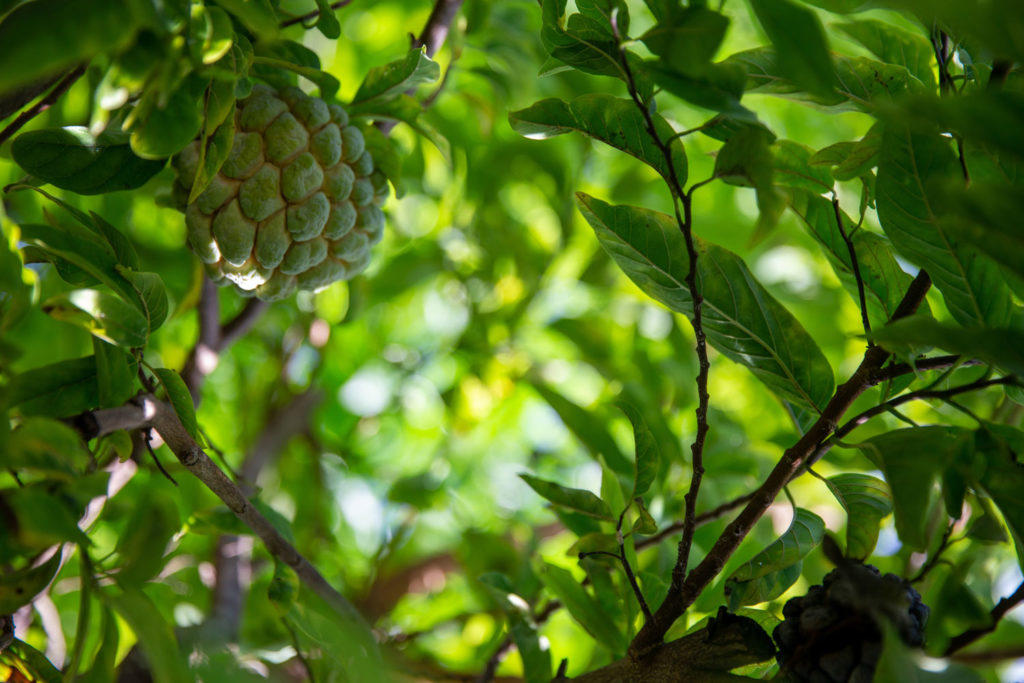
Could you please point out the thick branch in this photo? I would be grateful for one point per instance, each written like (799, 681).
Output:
(436, 29)
(147, 411)
(678, 600)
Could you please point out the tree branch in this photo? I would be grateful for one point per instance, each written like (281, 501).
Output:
(147, 411)
(42, 105)
(855, 265)
(680, 598)
(438, 24)
(997, 613)
(214, 337)
(303, 18)
(685, 222)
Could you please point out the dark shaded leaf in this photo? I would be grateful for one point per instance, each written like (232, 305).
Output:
(115, 376)
(912, 164)
(647, 458)
(799, 42)
(1003, 348)
(20, 587)
(73, 159)
(912, 460)
(63, 388)
(142, 543)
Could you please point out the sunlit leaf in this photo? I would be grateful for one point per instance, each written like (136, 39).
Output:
(395, 78)
(912, 460)
(580, 500)
(582, 606)
(867, 501)
(614, 121)
(741, 319)
(73, 159)
(778, 566)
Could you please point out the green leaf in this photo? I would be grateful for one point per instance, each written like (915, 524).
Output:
(214, 149)
(256, 15)
(36, 663)
(1001, 445)
(647, 458)
(1003, 348)
(580, 500)
(687, 38)
(73, 159)
(88, 251)
(103, 666)
(793, 168)
(613, 121)
(974, 289)
(327, 23)
(861, 83)
(589, 428)
(645, 524)
(867, 501)
(44, 37)
(536, 658)
(778, 566)
(894, 45)
(166, 128)
(45, 446)
(912, 460)
(976, 215)
(155, 635)
(101, 314)
(852, 159)
(746, 159)
(885, 282)
(800, 44)
(43, 515)
(142, 543)
(151, 294)
(398, 76)
(583, 42)
(583, 607)
(741, 319)
(60, 389)
(115, 376)
(385, 155)
(181, 400)
(20, 587)
(718, 87)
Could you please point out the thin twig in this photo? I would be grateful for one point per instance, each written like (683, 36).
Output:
(700, 520)
(933, 561)
(630, 576)
(685, 222)
(298, 650)
(677, 601)
(43, 104)
(312, 15)
(997, 613)
(855, 265)
(487, 675)
(864, 416)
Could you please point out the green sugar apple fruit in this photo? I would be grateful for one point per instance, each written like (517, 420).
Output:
(296, 205)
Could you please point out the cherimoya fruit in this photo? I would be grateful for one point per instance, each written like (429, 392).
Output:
(296, 205)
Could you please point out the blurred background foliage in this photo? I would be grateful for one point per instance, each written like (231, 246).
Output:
(431, 381)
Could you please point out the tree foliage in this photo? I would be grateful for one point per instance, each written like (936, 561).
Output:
(679, 306)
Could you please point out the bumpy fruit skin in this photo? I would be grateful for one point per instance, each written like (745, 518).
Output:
(296, 205)
(832, 634)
